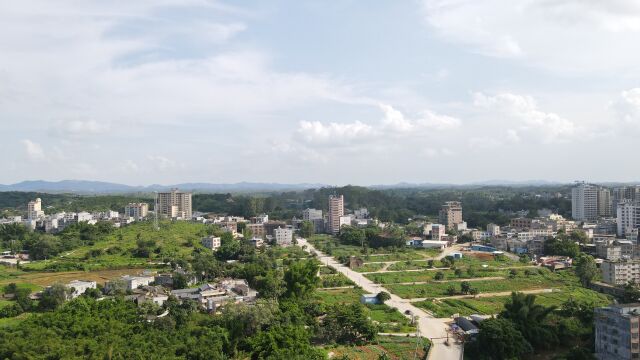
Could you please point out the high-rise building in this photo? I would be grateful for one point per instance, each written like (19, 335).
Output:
(628, 217)
(175, 204)
(624, 193)
(451, 214)
(34, 209)
(336, 211)
(137, 211)
(603, 199)
(617, 336)
(584, 202)
(620, 272)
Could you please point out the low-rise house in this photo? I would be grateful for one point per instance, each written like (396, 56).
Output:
(134, 282)
(155, 294)
(256, 241)
(212, 296)
(434, 244)
(211, 242)
(555, 262)
(78, 287)
(369, 299)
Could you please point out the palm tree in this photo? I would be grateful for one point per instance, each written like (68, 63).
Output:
(529, 317)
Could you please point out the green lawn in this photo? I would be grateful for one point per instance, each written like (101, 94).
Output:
(493, 305)
(390, 319)
(520, 282)
(369, 267)
(332, 246)
(428, 275)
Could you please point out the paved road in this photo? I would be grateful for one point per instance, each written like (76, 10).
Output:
(429, 326)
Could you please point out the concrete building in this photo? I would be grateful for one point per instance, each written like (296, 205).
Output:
(615, 250)
(361, 213)
(493, 229)
(620, 194)
(79, 287)
(175, 204)
(211, 242)
(451, 214)
(584, 202)
(134, 282)
(257, 230)
(260, 219)
(284, 236)
(620, 272)
(311, 214)
(336, 211)
(34, 210)
(521, 223)
(604, 202)
(137, 211)
(628, 216)
(617, 336)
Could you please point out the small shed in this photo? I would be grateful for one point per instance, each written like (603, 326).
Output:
(369, 299)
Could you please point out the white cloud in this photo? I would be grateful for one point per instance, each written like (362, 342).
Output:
(561, 35)
(33, 150)
(627, 107)
(79, 128)
(523, 112)
(161, 163)
(315, 132)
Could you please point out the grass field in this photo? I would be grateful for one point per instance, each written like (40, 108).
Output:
(369, 267)
(38, 280)
(395, 347)
(332, 246)
(493, 305)
(518, 283)
(428, 275)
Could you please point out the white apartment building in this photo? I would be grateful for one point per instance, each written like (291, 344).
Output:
(345, 220)
(175, 204)
(620, 272)
(211, 242)
(584, 202)
(134, 282)
(311, 214)
(493, 229)
(79, 287)
(284, 236)
(361, 213)
(628, 216)
(616, 332)
(34, 209)
(336, 211)
(137, 211)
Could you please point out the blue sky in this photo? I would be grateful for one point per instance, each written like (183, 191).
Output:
(361, 92)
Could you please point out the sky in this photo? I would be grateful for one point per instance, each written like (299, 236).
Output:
(335, 92)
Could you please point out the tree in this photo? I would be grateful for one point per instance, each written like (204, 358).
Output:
(586, 269)
(45, 247)
(451, 290)
(499, 339)
(383, 296)
(471, 272)
(631, 293)
(474, 291)
(144, 248)
(352, 236)
(430, 263)
(513, 273)
(458, 272)
(439, 275)
(53, 297)
(528, 317)
(465, 287)
(180, 280)
(284, 342)
(307, 229)
(348, 324)
(301, 279)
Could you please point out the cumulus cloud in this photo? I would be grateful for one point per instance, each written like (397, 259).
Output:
(627, 107)
(562, 35)
(523, 111)
(33, 150)
(394, 122)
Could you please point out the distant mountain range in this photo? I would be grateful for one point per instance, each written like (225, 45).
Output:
(89, 187)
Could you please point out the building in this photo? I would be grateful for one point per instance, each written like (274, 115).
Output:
(584, 202)
(617, 336)
(336, 211)
(520, 223)
(284, 236)
(311, 214)
(361, 213)
(620, 272)
(175, 204)
(620, 194)
(137, 211)
(604, 202)
(628, 216)
(211, 242)
(134, 282)
(78, 287)
(451, 214)
(434, 244)
(493, 229)
(260, 219)
(257, 230)
(34, 209)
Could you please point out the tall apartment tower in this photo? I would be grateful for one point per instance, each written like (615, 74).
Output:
(34, 209)
(175, 204)
(623, 193)
(584, 202)
(336, 210)
(617, 335)
(604, 202)
(451, 214)
(627, 216)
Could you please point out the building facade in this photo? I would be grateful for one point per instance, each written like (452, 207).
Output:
(284, 236)
(617, 335)
(628, 217)
(336, 211)
(311, 214)
(584, 202)
(620, 272)
(451, 214)
(175, 204)
(34, 209)
(211, 242)
(137, 211)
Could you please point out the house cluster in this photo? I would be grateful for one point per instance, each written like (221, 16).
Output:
(157, 288)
